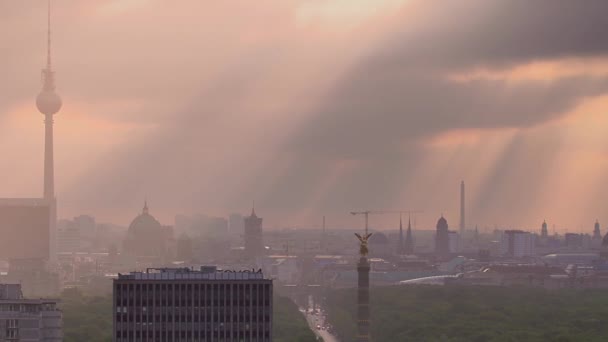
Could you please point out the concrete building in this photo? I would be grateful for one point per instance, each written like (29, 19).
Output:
(28, 320)
(180, 304)
(517, 243)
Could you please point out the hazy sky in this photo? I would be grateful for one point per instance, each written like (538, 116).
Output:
(313, 107)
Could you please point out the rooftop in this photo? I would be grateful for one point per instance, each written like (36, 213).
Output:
(205, 273)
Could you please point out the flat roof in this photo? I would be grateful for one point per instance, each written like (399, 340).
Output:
(206, 273)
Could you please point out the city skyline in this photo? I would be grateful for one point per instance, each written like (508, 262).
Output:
(215, 119)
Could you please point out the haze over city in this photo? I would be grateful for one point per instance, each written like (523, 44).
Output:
(314, 107)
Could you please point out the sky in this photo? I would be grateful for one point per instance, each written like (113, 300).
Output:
(314, 107)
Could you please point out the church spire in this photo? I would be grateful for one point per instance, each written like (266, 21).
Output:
(146, 210)
(409, 240)
(400, 250)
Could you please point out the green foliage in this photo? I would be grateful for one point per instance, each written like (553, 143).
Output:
(484, 314)
(86, 318)
(89, 319)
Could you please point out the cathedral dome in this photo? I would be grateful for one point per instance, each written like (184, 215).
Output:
(143, 223)
(146, 236)
(378, 239)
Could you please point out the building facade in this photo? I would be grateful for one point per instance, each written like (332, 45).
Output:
(28, 320)
(187, 305)
(517, 243)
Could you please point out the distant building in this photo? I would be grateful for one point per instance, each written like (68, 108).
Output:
(544, 233)
(604, 248)
(68, 237)
(409, 239)
(146, 237)
(34, 275)
(401, 242)
(254, 240)
(187, 305)
(379, 245)
(86, 226)
(24, 319)
(236, 223)
(442, 238)
(574, 240)
(517, 243)
(454, 241)
(25, 229)
(597, 235)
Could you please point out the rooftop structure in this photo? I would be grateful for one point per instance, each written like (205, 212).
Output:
(205, 273)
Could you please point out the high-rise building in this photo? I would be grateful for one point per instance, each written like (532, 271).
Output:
(254, 241)
(442, 238)
(187, 305)
(24, 319)
(517, 243)
(462, 221)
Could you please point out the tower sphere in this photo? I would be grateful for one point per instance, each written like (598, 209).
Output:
(48, 102)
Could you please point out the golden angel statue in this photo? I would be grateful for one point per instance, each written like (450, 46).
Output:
(363, 248)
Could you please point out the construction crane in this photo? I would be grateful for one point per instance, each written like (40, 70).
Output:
(380, 212)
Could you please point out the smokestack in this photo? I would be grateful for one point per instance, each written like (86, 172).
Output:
(462, 222)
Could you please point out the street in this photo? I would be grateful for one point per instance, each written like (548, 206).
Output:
(318, 319)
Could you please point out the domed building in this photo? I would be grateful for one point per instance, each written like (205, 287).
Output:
(379, 245)
(146, 237)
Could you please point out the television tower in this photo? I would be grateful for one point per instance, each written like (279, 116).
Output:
(49, 103)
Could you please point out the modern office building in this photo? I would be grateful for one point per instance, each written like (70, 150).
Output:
(180, 304)
(21, 319)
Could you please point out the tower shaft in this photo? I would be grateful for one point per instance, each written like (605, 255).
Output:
(49, 171)
(363, 312)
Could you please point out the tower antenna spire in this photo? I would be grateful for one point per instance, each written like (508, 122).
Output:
(48, 32)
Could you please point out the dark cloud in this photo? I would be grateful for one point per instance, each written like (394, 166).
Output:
(457, 33)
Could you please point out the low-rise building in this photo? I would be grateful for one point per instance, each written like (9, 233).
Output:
(28, 320)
